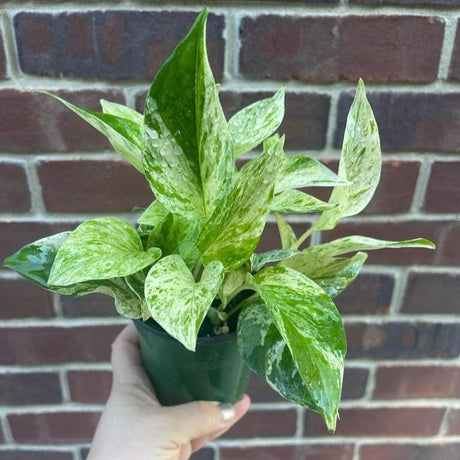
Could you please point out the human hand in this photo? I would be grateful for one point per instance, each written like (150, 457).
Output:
(135, 426)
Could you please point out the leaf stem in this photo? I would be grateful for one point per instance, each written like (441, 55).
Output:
(243, 287)
(304, 237)
(238, 307)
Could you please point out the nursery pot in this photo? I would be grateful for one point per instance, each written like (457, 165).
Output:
(214, 372)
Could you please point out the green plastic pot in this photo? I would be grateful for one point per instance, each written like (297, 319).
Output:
(214, 372)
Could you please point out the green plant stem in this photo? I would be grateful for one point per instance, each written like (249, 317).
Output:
(222, 307)
(238, 307)
(197, 271)
(304, 236)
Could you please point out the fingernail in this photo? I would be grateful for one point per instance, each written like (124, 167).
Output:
(227, 411)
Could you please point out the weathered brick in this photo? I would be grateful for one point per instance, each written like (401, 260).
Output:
(90, 386)
(41, 345)
(437, 231)
(454, 422)
(454, 71)
(410, 121)
(108, 186)
(88, 305)
(432, 293)
(407, 382)
(267, 423)
(305, 120)
(113, 45)
(22, 299)
(203, 454)
(3, 64)
(53, 428)
(2, 436)
(299, 452)
(398, 48)
(399, 340)
(368, 294)
(14, 189)
(445, 451)
(260, 391)
(32, 123)
(379, 422)
(354, 383)
(445, 3)
(24, 454)
(270, 238)
(30, 388)
(443, 191)
(14, 235)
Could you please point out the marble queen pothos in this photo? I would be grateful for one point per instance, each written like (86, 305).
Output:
(192, 252)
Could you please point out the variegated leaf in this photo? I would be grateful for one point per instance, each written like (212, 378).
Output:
(188, 151)
(360, 163)
(231, 285)
(121, 111)
(176, 301)
(124, 134)
(251, 125)
(259, 260)
(312, 329)
(233, 231)
(153, 215)
(312, 258)
(101, 248)
(295, 201)
(301, 171)
(287, 235)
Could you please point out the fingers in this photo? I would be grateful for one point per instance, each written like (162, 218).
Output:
(126, 360)
(203, 420)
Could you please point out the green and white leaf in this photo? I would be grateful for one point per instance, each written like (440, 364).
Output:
(153, 215)
(101, 248)
(360, 163)
(300, 171)
(188, 151)
(287, 235)
(231, 285)
(295, 201)
(251, 125)
(121, 111)
(313, 257)
(176, 301)
(233, 231)
(312, 329)
(259, 260)
(124, 134)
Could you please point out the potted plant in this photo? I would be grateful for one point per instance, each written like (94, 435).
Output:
(206, 305)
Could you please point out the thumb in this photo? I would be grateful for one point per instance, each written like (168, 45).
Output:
(201, 418)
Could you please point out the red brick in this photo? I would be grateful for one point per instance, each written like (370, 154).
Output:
(286, 48)
(305, 120)
(451, 246)
(266, 424)
(14, 189)
(400, 340)
(3, 64)
(90, 386)
(22, 299)
(260, 390)
(354, 383)
(432, 293)
(411, 121)
(30, 388)
(436, 231)
(41, 345)
(447, 451)
(53, 428)
(379, 422)
(443, 192)
(32, 123)
(299, 452)
(24, 454)
(270, 238)
(113, 45)
(14, 235)
(2, 436)
(109, 186)
(454, 422)
(88, 305)
(407, 382)
(454, 72)
(368, 294)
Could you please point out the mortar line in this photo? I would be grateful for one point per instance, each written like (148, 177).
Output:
(421, 185)
(444, 426)
(231, 40)
(9, 439)
(299, 428)
(447, 46)
(38, 207)
(65, 386)
(9, 43)
(399, 290)
(370, 386)
(57, 305)
(332, 120)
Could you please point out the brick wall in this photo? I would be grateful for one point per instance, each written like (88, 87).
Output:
(402, 379)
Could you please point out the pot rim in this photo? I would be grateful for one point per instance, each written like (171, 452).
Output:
(200, 340)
